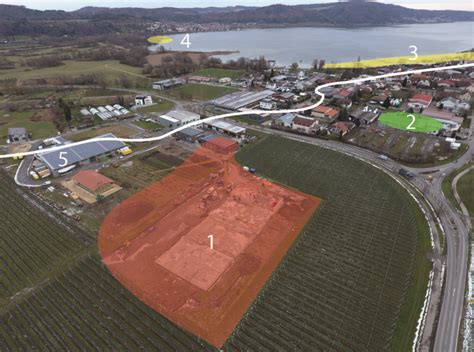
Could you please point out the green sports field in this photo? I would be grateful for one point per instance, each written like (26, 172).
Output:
(410, 122)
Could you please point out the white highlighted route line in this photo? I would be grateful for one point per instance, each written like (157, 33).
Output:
(212, 118)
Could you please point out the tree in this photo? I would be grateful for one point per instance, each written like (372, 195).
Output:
(386, 103)
(405, 82)
(67, 113)
(294, 67)
(321, 63)
(355, 96)
(344, 115)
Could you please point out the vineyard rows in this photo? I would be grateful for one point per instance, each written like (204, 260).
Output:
(344, 285)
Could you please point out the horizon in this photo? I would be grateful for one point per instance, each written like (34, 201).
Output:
(459, 5)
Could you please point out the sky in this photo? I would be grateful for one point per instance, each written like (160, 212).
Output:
(76, 4)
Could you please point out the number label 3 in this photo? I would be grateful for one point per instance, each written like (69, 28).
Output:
(414, 52)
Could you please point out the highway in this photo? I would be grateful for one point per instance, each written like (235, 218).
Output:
(452, 221)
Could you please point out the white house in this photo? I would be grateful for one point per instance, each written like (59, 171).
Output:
(455, 105)
(143, 100)
(268, 104)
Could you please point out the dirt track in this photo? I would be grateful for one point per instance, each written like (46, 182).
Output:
(156, 242)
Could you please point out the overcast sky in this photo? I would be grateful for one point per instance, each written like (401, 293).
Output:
(76, 4)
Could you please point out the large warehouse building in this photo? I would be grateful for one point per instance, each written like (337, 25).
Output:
(238, 100)
(64, 160)
(176, 118)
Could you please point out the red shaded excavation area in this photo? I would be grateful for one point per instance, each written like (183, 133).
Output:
(157, 244)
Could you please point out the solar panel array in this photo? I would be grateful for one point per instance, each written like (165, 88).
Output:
(78, 153)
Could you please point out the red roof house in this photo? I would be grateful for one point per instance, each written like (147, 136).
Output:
(420, 99)
(222, 145)
(92, 181)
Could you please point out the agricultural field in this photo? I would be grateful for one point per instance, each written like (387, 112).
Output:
(38, 129)
(148, 125)
(219, 73)
(465, 188)
(110, 70)
(405, 121)
(354, 279)
(415, 149)
(160, 106)
(123, 131)
(200, 91)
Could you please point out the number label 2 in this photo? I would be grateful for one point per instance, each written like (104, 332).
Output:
(410, 125)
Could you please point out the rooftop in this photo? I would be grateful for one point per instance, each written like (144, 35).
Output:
(91, 179)
(77, 153)
(423, 97)
(227, 126)
(17, 131)
(180, 115)
(235, 101)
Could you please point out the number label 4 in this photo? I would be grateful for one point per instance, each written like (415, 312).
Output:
(186, 41)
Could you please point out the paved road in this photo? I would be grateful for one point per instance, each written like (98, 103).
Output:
(456, 232)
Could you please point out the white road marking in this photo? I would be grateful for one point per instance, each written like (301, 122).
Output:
(256, 111)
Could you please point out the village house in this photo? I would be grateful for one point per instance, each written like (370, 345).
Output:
(268, 104)
(419, 101)
(283, 98)
(284, 121)
(143, 100)
(343, 94)
(17, 134)
(304, 124)
(92, 186)
(325, 113)
(453, 104)
(364, 116)
(341, 128)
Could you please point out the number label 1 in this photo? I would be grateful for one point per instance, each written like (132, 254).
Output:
(186, 41)
(414, 49)
(410, 125)
(211, 241)
(63, 159)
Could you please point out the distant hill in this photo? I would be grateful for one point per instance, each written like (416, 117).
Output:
(21, 20)
(344, 14)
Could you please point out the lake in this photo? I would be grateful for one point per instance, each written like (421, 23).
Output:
(303, 45)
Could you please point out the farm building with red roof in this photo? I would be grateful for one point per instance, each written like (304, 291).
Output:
(222, 145)
(90, 185)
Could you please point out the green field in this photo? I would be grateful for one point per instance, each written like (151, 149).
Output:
(200, 91)
(402, 121)
(465, 188)
(73, 68)
(22, 119)
(148, 125)
(354, 280)
(219, 73)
